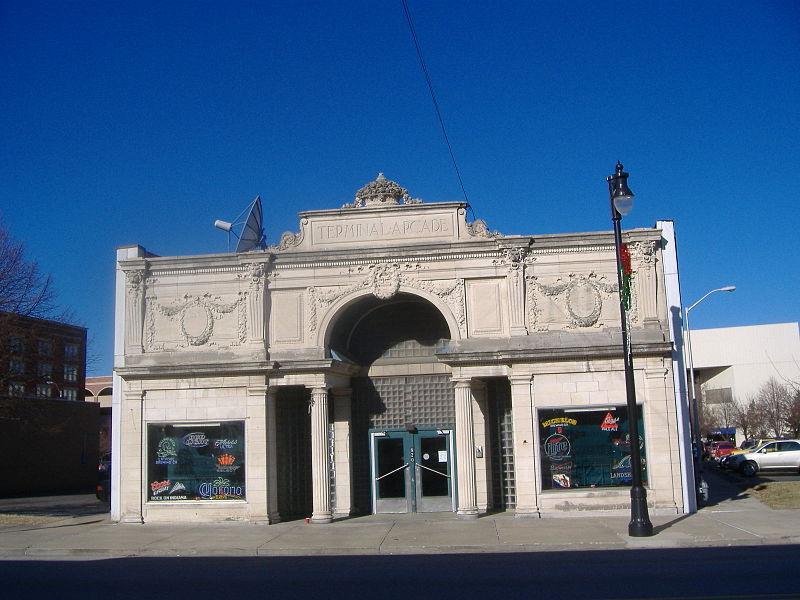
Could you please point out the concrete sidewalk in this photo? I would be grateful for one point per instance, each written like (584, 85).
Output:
(734, 519)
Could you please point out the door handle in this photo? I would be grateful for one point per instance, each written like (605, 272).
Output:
(390, 472)
(432, 470)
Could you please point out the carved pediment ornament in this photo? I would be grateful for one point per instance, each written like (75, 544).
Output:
(382, 192)
(289, 239)
(478, 228)
(195, 316)
(582, 296)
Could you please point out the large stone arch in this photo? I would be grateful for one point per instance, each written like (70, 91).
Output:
(342, 305)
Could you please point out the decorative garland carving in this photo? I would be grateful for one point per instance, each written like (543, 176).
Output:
(384, 281)
(591, 284)
(191, 307)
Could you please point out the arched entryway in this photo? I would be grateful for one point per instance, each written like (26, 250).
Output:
(402, 404)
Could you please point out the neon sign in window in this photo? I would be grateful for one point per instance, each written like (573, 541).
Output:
(586, 448)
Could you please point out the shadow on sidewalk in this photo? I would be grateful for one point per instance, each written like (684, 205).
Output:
(725, 487)
(60, 505)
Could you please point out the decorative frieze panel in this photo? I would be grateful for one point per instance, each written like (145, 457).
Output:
(576, 301)
(384, 281)
(194, 322)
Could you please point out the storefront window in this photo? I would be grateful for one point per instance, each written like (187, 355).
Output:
(587, 448)
(195, 462)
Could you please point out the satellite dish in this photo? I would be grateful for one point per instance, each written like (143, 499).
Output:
(251, 234)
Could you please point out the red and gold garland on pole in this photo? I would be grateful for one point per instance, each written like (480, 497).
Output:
(627, 274)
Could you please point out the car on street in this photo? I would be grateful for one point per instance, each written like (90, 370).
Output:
(744, 447)
(779, 455)
(719, 449)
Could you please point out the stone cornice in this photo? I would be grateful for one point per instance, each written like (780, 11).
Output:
(539, 355)
(476, 249)
(215, 369)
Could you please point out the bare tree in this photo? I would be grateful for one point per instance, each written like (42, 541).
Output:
(750, 417)
(24, 289)
(773, 401)
(24, 292)
(793, 414)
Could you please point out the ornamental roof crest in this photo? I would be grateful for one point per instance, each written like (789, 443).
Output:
(382, 192)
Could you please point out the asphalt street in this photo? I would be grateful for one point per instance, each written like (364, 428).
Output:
(741, 573)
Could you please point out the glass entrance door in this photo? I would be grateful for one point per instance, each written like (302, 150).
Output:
(412, 471)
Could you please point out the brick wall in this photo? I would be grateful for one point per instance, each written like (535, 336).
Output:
(47, 446)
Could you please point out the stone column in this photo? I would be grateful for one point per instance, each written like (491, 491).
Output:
(343, 450)
(320, 466)
(132, 446)
(525, 468)
(465, 451)
(272, 454)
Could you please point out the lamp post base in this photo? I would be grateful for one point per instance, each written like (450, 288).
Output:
(640, 525)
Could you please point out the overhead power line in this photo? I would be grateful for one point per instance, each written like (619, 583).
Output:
(433, 97)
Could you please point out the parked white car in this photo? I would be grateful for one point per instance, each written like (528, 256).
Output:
(777, 455)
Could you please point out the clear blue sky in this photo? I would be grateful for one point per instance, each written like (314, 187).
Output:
(143, 122)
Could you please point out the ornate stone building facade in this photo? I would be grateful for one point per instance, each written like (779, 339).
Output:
(392, 356)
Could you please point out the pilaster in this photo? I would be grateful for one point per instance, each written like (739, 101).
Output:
(255, 306)
(524, 444)
(271, 447)
(132, 463)
(342, 448)
(134, 310)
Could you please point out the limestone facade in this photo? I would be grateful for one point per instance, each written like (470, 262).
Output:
(387, 327)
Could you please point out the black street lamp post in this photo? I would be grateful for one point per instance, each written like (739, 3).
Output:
(621, 204)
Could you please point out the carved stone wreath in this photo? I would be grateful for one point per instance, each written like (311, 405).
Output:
(195, 316)
(581, 314)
